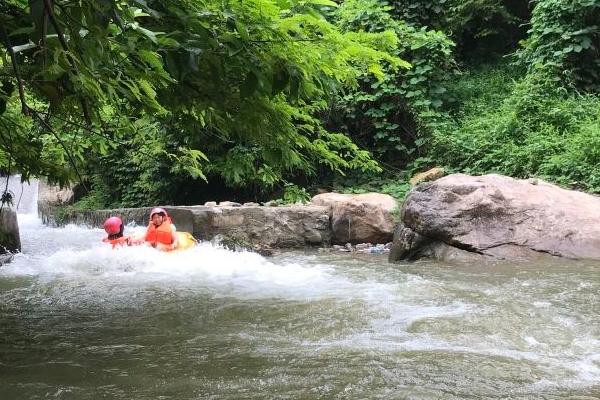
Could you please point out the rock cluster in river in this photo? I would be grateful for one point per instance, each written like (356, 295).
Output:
(331, 218)
(367, 248)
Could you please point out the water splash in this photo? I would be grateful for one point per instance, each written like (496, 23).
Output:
(473, 330)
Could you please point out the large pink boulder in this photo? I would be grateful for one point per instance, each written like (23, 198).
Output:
(502, 217)
(359, 218)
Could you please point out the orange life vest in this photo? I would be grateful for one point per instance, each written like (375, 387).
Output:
(117, 242)
(160, 234)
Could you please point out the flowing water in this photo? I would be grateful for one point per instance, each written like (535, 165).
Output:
(81, 321)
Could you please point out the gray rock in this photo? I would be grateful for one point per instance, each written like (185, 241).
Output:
(10, 241)
(498, 217)
(359, 218)
(5, 258)
(229, 204)
(210, 204)
(313, 236)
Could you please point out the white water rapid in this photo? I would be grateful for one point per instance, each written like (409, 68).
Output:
(82, 321)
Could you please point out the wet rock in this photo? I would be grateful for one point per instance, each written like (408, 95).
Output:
(313, 236)
(359, 218)
(10, 241)
(275, 227)
(5, 258)
(251, 204)
(263, 251)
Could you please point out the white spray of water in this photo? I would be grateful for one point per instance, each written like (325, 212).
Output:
(75, 263)
(76, 254)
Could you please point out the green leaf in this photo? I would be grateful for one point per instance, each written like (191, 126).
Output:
(249, 85)
(327, 3)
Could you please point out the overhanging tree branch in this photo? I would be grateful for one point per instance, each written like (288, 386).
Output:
(13, 59)
(63, 42)
(62, 144)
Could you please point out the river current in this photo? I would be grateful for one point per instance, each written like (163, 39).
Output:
(81, 321)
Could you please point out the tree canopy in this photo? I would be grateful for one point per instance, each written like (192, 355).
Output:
(230, 88)
(139, 100)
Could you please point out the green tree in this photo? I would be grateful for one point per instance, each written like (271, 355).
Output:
(564, 41)
(480, 28)
(392, 116)
(193, 88)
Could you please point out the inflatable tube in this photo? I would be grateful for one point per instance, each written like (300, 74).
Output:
(186, 241)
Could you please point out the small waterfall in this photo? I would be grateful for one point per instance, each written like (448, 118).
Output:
(24, 195)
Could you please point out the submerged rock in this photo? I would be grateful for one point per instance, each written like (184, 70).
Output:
(5, 258)
(494, 216)
(359, 218)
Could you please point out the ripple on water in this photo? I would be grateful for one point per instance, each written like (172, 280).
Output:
(214, 323)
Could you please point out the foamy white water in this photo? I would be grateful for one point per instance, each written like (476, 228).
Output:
(209, 322)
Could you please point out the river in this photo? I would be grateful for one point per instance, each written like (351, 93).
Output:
(81, 321)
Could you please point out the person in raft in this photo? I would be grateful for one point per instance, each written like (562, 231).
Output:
(113, 227)
(161, 232)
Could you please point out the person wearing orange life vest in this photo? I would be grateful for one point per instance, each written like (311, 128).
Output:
(113, 227)
(161, 232)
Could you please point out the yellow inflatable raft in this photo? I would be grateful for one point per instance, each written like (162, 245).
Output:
(186, 241)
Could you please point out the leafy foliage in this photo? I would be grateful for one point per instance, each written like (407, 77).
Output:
(145, 100)
(564, 40)
(396, 187)
(178, 81)
(538, 130)
(479, 27)
(390, 116)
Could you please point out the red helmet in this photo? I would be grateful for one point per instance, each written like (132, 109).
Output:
(157, 210)
(112, 226)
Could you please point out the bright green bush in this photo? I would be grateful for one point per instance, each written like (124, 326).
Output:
(564, 41)
(391, 116)
(540, 130)
(480, 28)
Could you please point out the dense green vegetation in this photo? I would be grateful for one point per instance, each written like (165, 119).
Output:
(154, 101)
